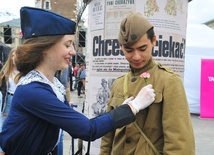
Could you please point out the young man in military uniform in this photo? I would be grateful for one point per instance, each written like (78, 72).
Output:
(165, 126)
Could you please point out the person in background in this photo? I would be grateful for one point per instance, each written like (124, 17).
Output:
(63, 77)
(71, 69)
(1, 119)
(82, 78)
(76, 68)
(39, 107)
(65, 80)
(80, 84)
(7, 85)
(164, 127)
(1, 105)
(1, 65)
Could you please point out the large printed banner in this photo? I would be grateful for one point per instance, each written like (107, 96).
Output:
(105, 61)
(207, 89)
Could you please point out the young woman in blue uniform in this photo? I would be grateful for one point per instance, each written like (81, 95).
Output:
(39, 108)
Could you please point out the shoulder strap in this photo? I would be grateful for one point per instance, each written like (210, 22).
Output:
(147, 140)
(125, 87)
(125, 91)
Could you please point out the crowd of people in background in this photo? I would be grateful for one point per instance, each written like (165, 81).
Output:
(77, 75)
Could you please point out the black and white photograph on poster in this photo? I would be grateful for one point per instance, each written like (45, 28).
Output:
(102, 97)
(116, 10)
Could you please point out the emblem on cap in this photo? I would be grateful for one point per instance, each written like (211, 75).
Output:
(133, 36)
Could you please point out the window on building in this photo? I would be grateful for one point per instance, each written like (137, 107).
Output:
(47, 4)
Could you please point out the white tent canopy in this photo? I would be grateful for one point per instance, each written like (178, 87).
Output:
(199, 45)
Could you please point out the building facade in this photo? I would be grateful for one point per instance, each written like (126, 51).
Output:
(10, 33)
(66, 8)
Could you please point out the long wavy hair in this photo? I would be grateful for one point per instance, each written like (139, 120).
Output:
(30, 53)
(8, 67)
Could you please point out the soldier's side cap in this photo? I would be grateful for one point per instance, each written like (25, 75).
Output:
(37, 22)
(132, 28)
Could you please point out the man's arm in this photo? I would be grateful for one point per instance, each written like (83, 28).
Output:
(177, 125)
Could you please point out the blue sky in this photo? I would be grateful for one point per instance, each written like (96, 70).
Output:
(199, 11)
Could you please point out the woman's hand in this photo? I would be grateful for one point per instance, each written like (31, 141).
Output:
(143, 99)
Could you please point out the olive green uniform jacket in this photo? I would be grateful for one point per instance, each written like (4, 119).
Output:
(166, 122)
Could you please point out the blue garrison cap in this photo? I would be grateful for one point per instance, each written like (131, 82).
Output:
(37, 22)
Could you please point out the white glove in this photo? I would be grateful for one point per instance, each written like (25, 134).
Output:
(128, 100)
(143, 99)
